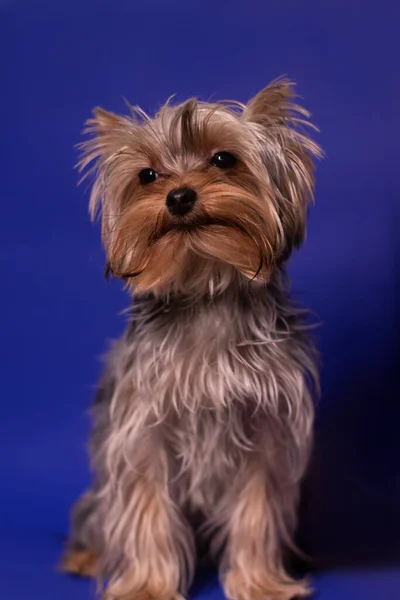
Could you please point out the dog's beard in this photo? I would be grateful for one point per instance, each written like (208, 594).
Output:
(231, 234)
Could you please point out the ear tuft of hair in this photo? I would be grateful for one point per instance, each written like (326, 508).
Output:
(289, 155)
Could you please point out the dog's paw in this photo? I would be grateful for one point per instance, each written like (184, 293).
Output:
(244, 586)
(143, 593)
(82, 563)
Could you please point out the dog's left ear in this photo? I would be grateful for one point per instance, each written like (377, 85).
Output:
(288, 155)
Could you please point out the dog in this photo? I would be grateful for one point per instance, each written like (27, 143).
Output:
(204, 416)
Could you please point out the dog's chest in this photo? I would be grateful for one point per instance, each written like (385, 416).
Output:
(202, 380)
(206, 379)
(206, 453)
(205, 362)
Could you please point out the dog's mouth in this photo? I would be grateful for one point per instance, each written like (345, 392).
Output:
(186, 228)
(233, 240)
(192, 224)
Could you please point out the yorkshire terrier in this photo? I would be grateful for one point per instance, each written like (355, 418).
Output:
(203, 419)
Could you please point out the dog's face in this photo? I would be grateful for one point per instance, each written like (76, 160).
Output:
(203, 194)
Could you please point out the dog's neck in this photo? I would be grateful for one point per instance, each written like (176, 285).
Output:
(237, 305)
(241, 292)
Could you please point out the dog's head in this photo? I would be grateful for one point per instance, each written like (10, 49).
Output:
(203, 194)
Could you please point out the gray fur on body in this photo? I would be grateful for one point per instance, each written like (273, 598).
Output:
(196, 395)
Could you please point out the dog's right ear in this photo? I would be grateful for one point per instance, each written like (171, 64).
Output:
(103, 121)
(103, 129)
(106, 133)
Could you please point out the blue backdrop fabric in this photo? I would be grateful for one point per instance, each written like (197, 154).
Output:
(59, 60)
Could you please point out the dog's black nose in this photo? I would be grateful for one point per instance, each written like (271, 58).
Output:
(181, 201)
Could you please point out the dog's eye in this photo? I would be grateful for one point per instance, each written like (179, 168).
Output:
(147, 176)
(223, 160)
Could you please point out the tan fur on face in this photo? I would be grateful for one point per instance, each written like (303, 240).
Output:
(246, 220)
(229, 227)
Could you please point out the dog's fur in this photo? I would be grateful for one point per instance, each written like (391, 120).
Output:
(205, 411)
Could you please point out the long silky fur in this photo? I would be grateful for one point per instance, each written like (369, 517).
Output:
(206, 405)
(240, 387)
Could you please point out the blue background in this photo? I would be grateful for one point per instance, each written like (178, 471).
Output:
(58, 60)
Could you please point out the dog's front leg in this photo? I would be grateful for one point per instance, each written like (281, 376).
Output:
(148, 546)
(253, 514)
